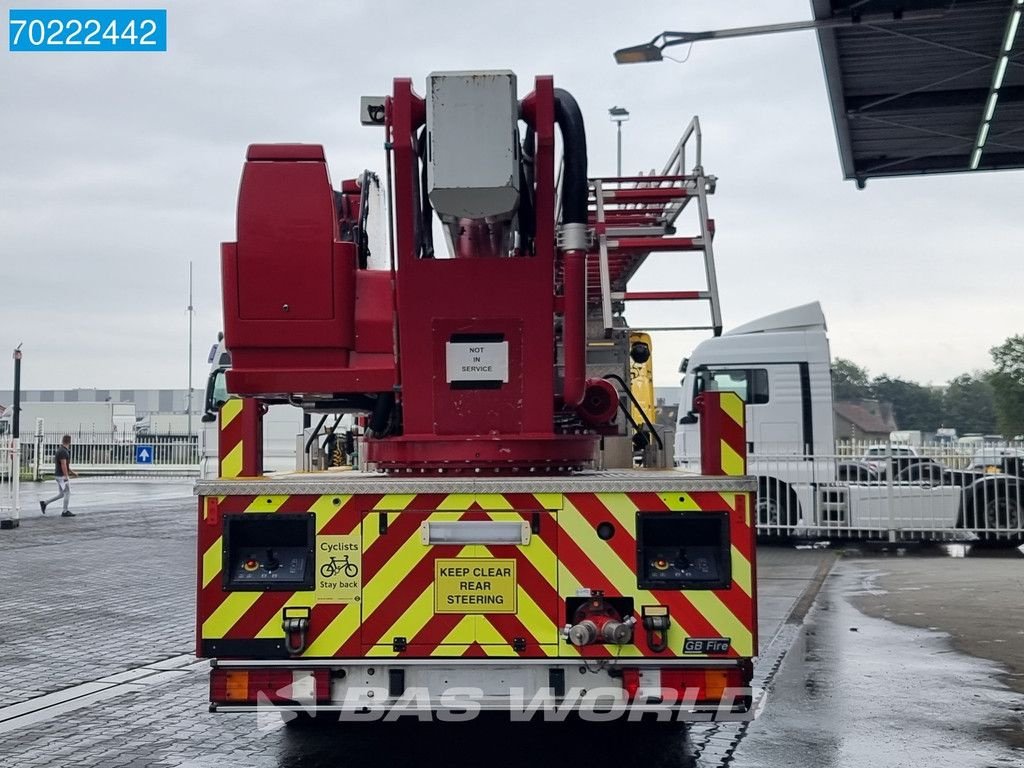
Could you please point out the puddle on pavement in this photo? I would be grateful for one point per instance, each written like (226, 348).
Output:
(858, 691)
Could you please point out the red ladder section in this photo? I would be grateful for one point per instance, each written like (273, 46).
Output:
(634, 216)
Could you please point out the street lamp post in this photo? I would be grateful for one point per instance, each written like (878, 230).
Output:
(12, 463)
(618, 115)
(652, 51)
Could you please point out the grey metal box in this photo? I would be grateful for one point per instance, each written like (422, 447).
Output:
(472, 150)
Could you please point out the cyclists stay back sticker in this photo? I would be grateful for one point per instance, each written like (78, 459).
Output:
(339, 565)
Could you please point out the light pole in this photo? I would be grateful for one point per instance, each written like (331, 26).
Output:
(618, 115)
(652, 51)
(13, 464)
(191, 312)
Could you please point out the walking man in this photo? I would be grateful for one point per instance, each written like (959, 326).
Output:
(62, 473)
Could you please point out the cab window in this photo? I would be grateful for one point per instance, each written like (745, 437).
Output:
(751, 384)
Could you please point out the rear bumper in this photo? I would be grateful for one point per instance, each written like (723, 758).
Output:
(536, 689)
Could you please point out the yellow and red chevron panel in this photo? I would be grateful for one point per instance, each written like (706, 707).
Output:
(239, 438)
(723, 434)
(389, 592)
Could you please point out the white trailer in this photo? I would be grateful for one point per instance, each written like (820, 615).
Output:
(781, 366)
(85, 422)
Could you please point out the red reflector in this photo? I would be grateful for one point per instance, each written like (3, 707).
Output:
(702, 686)
(252, 686)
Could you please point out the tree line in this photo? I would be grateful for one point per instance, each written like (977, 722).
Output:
(988, 402)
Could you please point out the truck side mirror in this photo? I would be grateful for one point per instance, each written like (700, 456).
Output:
(690, 418)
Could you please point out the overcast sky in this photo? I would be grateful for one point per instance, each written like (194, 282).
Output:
(119, 168)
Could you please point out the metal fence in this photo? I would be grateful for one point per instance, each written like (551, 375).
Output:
(9, 479)
(111, 453)
(894, 492)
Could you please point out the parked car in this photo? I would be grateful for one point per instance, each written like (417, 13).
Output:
(993, 459)
(878, 458)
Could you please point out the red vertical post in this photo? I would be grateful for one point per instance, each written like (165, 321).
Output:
(723, 434)
(240, 444)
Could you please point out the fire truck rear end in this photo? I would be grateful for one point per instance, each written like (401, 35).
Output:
(517, 538)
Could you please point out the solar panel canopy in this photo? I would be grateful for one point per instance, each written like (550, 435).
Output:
(924, 86)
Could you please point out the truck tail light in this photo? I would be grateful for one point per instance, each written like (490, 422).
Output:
(252, 686)
(700, 686)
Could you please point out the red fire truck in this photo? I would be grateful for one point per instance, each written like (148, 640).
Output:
(515, 541)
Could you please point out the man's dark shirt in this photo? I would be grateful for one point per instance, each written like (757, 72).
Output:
(62, 454)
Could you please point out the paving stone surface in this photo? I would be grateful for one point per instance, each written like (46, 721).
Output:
(112, 590)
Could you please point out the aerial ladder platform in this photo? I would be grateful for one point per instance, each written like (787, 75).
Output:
(635, 216)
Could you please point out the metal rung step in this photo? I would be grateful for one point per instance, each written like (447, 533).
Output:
(641, 179)
(648, 244)
(617, 232)
(646, 194)
(683, 328)
(661, 295)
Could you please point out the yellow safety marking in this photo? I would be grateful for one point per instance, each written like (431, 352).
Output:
(213, 560)
(680, 502)
(337, 633)
(415, 617)
(273, 628)
(732, 462)
(732, 406)
(549, 500)
(622, 508)
(381, 650)
(231, 465)
(537, 552)
(450, 650)
(457, 636)
(325, 509)
(492, 501)
(383, 583)
(394, 502)
(228, 613)
(459, 501)
(229, 411)
(722, 619)
(266, 504)
(741, 571)
(604, 558)
(537, 623)
(492, 641)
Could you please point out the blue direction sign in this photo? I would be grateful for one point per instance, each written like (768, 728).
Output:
(143, 454)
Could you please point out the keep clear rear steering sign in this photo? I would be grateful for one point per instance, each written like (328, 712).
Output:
(339, 566)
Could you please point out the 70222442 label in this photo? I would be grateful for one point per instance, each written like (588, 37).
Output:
(83, 30)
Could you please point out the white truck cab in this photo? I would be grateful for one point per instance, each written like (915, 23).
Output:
(780, 366)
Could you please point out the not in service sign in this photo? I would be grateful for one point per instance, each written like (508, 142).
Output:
(467, 585)
(476, 361)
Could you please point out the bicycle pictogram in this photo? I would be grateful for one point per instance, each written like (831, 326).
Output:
(335, 566)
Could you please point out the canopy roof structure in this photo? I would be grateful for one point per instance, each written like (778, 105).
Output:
(942, 93)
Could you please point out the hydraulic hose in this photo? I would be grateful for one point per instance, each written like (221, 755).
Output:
(574, 143)
(573, 242)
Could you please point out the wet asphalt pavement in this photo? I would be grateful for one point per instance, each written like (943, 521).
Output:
(95, 667)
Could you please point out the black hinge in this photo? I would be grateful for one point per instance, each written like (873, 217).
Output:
(518, 644)
(399, 644)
